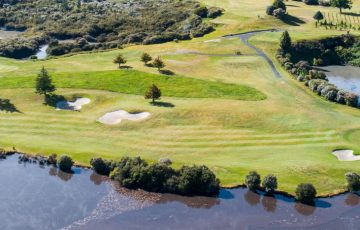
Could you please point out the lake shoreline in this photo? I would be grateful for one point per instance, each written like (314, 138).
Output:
(233, 187)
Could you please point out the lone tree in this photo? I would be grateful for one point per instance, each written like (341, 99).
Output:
(270, 183)
(145, 57)
(341, 4)
(318, 16)
(158, 63)
(253, 180)
(153, 93)
(285, 41)
(119, 59)
(305, 193)
(44, 84)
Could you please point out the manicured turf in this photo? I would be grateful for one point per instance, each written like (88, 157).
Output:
(290, 134)
(136, 82)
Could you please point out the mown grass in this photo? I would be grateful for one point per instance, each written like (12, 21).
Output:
(290, 134)
(136, 82)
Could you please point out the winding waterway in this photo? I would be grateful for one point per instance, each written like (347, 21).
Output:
(42, 198)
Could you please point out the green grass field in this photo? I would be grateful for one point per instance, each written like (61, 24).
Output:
(230, 112)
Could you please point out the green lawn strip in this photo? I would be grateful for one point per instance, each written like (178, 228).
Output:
(136, 82)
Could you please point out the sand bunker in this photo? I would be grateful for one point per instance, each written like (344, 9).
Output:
(72, 105)
(213, 40)
(345, 155)
(116, 117)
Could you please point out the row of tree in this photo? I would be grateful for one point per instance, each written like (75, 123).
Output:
(145, 57)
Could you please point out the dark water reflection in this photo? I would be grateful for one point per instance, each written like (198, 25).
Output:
(42, 198)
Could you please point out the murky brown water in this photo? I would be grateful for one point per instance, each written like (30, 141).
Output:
(40, 198)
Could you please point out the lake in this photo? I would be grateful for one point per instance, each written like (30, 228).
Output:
(345, 77)
(42, 197)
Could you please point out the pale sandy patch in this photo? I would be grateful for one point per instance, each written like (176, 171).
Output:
(116, 117)
(345, 155)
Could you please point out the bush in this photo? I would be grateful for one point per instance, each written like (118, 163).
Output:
(253, 180)
(214, 12)
(279, 4)
(52, 159)
(305, 193)
(279, 13)
(201, 11)
(101, 166)
(65, 163)
(136, 173)
(311, 2)
(270, 10)
(353, 181)
(351, 99)
(270, 183)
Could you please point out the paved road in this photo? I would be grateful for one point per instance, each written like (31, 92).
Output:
(245, 37)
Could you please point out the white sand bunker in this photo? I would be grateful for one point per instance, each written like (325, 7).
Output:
(345, 155)
(116, 117)
(72, 105)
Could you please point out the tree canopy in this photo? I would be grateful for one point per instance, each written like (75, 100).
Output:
(285, 41)
(44, 84)
(158, 63)
(119, 59)
(318, 16)
(153, 93)
(341, 4)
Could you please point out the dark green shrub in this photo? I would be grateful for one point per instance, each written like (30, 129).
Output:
(214, 12)
(270, 183)
(353, 181)
(197, 180)
(279, 4)
(270, 10)
(253, 180)
(52, 159)
(201, 11)
(101, 166)
(65, 163)
(305, 193)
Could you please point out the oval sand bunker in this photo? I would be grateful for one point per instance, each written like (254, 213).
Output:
(345, 155)
(72, 105)
(116, 117)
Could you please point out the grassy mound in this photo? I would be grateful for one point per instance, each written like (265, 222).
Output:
(136, 82)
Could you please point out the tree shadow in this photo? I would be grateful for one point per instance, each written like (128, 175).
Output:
(7, 106)
(163, 104)
(351, 14)
(292, 5)
(166, 72)
(125, 67)
(52, 99)
(149, 65)
(292, 20)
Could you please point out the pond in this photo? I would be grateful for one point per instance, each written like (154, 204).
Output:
(42, 54)
(41, 198)
(344, 77)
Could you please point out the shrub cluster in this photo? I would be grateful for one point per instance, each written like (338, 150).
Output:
(21, 47)
(322, 52)
(134, 173)
(102, 167)
(277, 9)
(353, 181)
(110, 22)
(253, 182)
